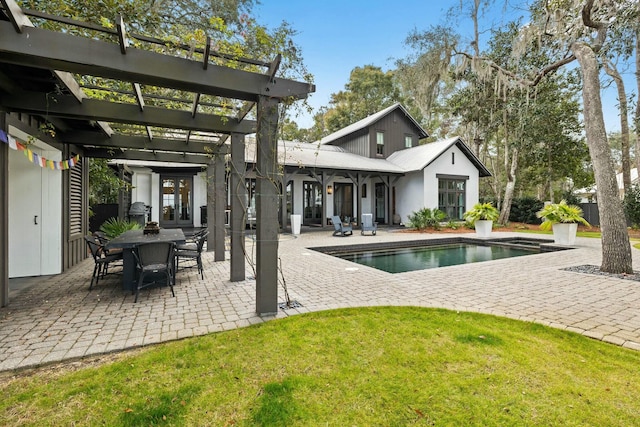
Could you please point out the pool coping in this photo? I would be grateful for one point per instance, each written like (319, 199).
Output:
(545, 245)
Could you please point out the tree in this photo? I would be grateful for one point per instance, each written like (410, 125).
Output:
(368, 91)
(425, 75)
(179, 23)
(612, 71)
(104, 184)
(576, 33)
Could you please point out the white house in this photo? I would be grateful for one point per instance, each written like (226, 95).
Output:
(375, 165)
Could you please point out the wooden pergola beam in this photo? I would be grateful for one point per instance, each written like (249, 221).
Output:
(119, 141)
(65, 106)
(157, 156)
(39, 48)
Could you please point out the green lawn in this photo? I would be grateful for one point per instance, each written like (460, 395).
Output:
(353, 367)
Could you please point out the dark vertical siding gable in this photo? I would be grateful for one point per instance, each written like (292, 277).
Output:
(395, 127)
(358, 143)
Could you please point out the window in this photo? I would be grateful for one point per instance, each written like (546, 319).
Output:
(451, 197)
(408, 141)
(453, 158)
(380, 143)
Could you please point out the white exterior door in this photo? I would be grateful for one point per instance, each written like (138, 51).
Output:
(35, 213)
(25, 216)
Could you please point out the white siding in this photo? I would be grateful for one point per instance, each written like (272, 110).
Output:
(442, 165)
(410, 195)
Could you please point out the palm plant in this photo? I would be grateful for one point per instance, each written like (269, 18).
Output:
(113, 227)
(426, 217)
(558, 213)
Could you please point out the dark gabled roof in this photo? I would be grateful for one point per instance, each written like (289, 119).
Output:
(367, 121)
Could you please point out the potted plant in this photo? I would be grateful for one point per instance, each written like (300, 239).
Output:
(482, 216)
(113, 227)
(563, 219)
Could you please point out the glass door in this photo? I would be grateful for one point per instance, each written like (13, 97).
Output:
(380, 202)
(312, 203)
(177, 206)
(343, 200)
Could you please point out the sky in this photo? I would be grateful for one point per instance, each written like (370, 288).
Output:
(337, 36)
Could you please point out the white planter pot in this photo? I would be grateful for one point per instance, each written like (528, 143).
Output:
(296, 221)
(564, 234)
(483, 228)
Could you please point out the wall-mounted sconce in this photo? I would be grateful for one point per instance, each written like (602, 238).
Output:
(329, 189)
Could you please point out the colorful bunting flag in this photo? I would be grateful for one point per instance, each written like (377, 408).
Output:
(35, 157)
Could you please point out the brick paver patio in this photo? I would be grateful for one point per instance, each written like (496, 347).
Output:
(58, 319)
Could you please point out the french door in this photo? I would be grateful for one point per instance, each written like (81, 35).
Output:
(380, 202)
(177, 201)
(312, 203)
(343, 200)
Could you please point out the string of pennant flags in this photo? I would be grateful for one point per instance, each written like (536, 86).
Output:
(37, 159)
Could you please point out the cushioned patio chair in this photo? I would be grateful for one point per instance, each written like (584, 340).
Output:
(193, 254)
(101, 258)
(154, 259)
(340, 228)
(191, 243)
(368, 224)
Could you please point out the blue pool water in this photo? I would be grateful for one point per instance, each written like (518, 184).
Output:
(400, 260)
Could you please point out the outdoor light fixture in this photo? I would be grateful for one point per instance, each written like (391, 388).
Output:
(329, 189)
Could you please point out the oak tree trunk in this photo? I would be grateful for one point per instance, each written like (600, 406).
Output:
(616, 249)
(509, 188)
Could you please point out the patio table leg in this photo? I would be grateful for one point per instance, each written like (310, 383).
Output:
(128, 270)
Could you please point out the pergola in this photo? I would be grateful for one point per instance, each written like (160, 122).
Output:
(158, 103)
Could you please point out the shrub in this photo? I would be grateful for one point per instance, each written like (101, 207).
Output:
(113, 227)
(426, 217)
(571, 198)
(632, 205)
(524, 209)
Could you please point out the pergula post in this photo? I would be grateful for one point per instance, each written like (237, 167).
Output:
(267, 207)
(238, 193)
(219, 203)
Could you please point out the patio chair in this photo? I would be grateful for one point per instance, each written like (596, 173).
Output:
(101, 259)
(340, 228)
(103, 240)
(194, 255)
(368, 224)
(154, 259)
(191, 243)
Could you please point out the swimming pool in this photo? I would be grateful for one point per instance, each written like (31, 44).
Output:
(424, 255)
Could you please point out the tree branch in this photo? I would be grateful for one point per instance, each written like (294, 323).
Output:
(600, 27)
(495, 66)
(551, 68)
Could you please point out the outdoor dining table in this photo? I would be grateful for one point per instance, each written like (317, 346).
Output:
(128, 240)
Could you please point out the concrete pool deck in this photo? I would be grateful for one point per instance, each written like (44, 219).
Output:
(55, 318)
